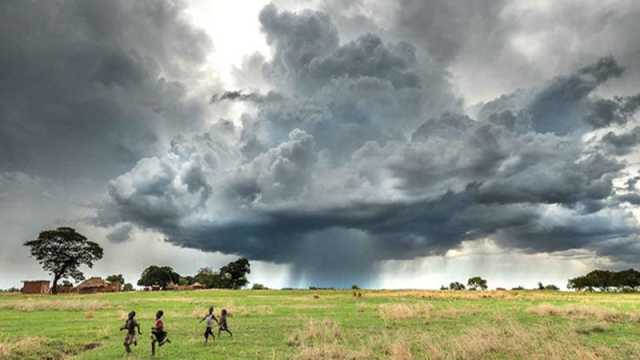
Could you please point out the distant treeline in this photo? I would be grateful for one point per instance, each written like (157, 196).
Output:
(231, 276)
(605, 280)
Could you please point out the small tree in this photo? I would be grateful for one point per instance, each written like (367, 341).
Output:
(127, 287)
(62, 251)
(477, 282)
(258, 286)
(456, 286)
(158, 275)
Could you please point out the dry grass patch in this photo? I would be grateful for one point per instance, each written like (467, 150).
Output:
(582, 312)
(9, 349)
(400, 311)
(309, 306)
(30, 305)
(331, 351)
(513, 341)
(324, 340)
(324, 331)
(37, 348)
(449, 295)
(400, 351)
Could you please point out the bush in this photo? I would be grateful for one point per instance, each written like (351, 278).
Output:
(257, 286)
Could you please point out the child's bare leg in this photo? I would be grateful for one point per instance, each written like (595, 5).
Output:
(153, 348)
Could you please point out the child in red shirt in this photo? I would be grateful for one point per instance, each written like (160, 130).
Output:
(158, 335)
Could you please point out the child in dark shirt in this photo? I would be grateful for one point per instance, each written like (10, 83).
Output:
(223, 323)
(131, 325)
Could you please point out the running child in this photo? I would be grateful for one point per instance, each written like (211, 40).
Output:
(223, 323)
(131, 325)
(158, 335)
(210, 318)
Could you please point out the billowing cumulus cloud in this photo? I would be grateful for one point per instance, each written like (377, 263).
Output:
(366, 157)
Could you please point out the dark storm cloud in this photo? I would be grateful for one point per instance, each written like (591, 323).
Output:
(367, 155)
(616, 111)
(444, 27)
(622, 144)
(236, 95)
(565, 105)
(557, 108)
(120, 233)
(89, 87)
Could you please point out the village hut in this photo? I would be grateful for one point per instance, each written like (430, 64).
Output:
(97, 285)
(35, 287)
(172, 286)
(196, 286)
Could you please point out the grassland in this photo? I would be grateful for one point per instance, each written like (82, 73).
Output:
(330, 325)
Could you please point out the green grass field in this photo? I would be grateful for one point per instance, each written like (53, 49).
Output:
(329, 325)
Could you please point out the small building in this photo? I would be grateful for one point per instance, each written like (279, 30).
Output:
(97, 285)
(173, 286)
(66, 288)
(35, 287)
(196, 286)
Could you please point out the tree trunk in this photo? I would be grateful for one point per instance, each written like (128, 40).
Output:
(54, 286)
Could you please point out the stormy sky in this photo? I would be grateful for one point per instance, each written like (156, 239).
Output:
(389, 144)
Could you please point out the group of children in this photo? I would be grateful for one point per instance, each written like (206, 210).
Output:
(159, 335)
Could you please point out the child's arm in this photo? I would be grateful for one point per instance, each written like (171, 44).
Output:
(138, 326)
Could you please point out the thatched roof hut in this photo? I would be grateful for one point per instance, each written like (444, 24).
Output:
(196, 286)
(96, 284)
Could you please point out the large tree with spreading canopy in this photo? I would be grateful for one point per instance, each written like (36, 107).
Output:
(62, 251)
